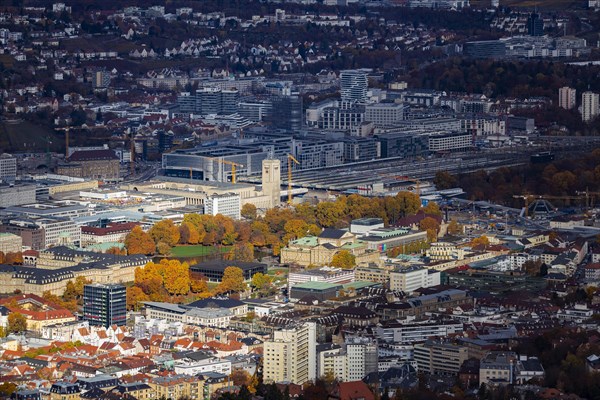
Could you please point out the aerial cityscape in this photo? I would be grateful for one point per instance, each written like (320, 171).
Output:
(300, 199)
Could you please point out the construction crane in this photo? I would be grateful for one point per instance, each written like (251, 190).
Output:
(233, 167)
(290, 159)
(589, 197)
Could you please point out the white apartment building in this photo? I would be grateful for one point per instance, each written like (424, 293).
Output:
(410, 279)
(8, 167)
(291, 355)
(229, 205)
(589, 105)
(400, 333)
(209, 364)
(352, 361)
(567, 97)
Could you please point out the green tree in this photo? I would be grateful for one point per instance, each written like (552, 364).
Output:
(261, 282)
(343, 259)
(16, 322)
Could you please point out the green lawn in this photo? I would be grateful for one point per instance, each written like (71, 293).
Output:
(196, 251)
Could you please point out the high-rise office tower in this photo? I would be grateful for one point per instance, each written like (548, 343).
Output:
(354, 84)
(566, 97)
(589, 105)
(105, 305)
(535, 25)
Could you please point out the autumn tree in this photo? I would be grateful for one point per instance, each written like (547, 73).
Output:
(116, 251)
(444, 180)
(249, 211)
(241, 252)
(135, 296)
(261, 282)
(343, 259)
(2, 257)
(480, 241)
(454, 228)
(329, 213)
(139, 242)
(240, 377)
(432, 208)
(16, 322)
(431, 226)
(409, 203)
(198, 284)
(176, 277)
(165, 231)
(15, 258)
(188, 234)
(232, 281)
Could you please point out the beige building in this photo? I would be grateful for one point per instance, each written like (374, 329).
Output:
(56, 266)
(440, 358)
(291, 355)
(442, 251)
(312, 250)
(177, 387)
(10, 243)
(94, 164)
(372, 274)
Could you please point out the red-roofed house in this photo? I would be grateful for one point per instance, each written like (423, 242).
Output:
(356, 390)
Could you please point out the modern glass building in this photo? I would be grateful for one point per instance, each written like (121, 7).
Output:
(105, 305)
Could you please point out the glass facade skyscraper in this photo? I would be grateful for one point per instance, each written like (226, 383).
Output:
(105, 305)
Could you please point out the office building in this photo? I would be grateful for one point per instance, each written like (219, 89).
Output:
(535, 25)
(411, 279)
(450, 141)
(286, 113)
(403, 145)
(567, 97)
(385, 114)
(17, 195)
(229, 205)
(589, 106)
(213, 270)
(485, 49)
(291, 355)
(354, 85)
(8, 168)
(440, 358)
(104, 304)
